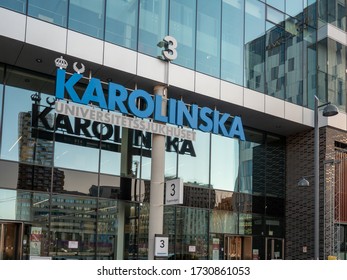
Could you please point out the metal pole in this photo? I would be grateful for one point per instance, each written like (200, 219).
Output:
(316, 180)
(156, 207)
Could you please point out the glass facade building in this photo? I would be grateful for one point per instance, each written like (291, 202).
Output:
(74, 188)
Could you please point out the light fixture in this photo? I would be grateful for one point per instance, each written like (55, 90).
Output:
(330, 110)
(303, 183)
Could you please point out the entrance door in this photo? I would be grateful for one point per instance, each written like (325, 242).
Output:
(274, 249)
(238, 248)
(10, 241)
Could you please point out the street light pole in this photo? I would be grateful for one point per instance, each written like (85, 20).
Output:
(329, 110)
(316, 179)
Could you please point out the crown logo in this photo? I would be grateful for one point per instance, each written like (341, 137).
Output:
(36, 97)
(61, 62)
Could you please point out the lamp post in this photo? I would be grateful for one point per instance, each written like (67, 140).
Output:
(329, 110)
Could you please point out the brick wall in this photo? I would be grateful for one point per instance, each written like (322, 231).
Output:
(299, 212)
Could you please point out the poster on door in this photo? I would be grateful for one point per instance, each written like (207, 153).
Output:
(35, 241)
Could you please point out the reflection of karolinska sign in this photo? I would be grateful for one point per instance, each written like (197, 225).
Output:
(178, 113)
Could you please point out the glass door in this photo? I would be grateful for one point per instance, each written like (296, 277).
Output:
(238, 247)
(274, 249)
(10, 241)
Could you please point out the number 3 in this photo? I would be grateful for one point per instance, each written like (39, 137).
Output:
(173, 191)
(170, 52)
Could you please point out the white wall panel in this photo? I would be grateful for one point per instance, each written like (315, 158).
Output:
(12, 24)
(308, 116)
(231, 93)
(46, 35)
(207, 85)
(293, 112)
(254, 100)
(151, 68)
(338, 121)
(120, 58)
(181, 77)
(85, 47)
(274, 106)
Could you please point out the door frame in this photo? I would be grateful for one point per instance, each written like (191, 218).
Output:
(242, 239)
(272, 240)
(19, 238)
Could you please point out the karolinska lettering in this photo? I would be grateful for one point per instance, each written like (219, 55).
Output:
(84, 132)
(178, 113)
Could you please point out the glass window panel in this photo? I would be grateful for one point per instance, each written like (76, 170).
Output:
(110, 160)
(75, 182)
(274, 16)
(294, 56)
(87, 17)
(109, 187)
(224, 163)
(275, 60)
(193, 161)
(232, 41)
(223, 222)
(53, 11)
(73, 227)
(77, 143)
(208, 37)
(76, 157)
(198, 197)
(295, 7)
(171, 156)
(191, 229)
(1, 97)
(28, 177)
(245, 224)
(8, 200)
(251, 162)
(9, 174)
(121, 23)
(23, 142)
(341, 15)
(227, 201)
(182, 27)
(275, 166)
(254, 45)
(108, 229)
(153, 25)
(278, 4)
(18, 5)
(141, 147)
(336, 71)
(254, 21)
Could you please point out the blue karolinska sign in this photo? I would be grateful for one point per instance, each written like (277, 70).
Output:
(119, 99)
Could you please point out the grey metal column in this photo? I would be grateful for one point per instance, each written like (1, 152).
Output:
(156, 207)
(316, 180)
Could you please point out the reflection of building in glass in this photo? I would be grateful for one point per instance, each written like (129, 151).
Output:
(33, 149)
(72, 182)
(36, 151)
(104, 191)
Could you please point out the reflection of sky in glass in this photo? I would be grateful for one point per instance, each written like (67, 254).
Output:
(224, 163)
(195, 169)
(8, 204)
(16, 101)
